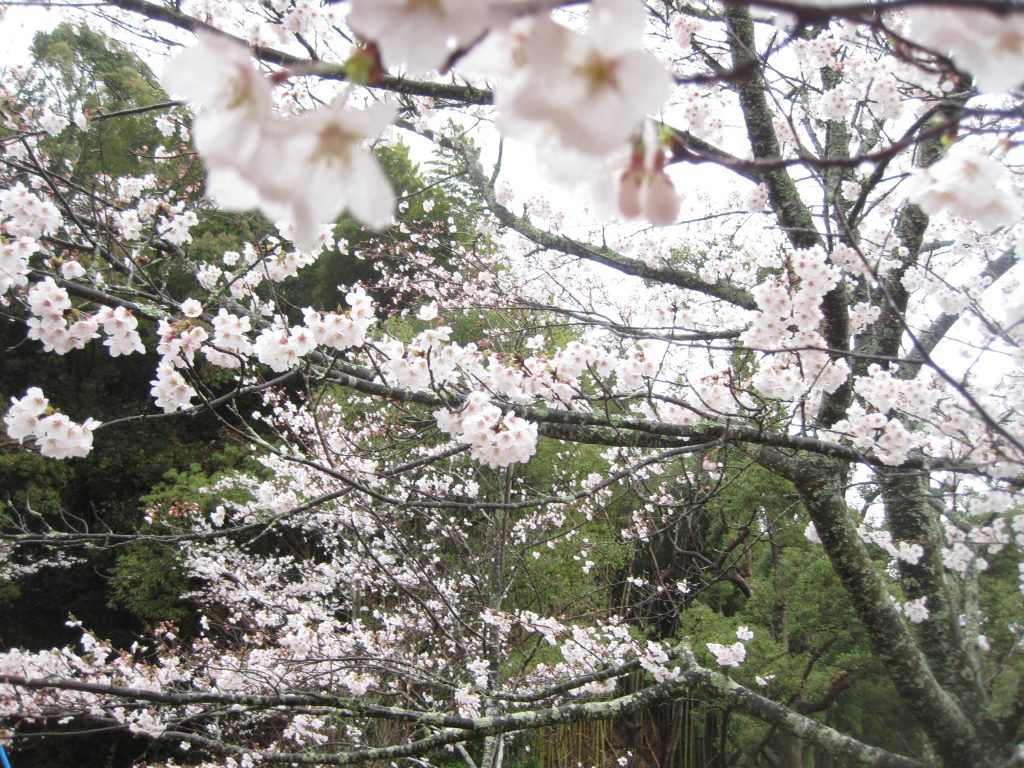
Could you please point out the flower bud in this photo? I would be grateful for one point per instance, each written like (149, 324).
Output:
(629, 194)
(661, 203)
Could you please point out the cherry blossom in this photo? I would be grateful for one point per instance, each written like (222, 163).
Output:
(590, 90)
(22, 418)
(420, 34)
(218, 74)
(987, 45)
(120, 326)
(14, 260)
(191, 308)
(495, 439)
(305, 170)
(728, 655)
(970, 184)
(56, 436)
(26, 214)
(326, 171)
(170, 390)
(916, 610)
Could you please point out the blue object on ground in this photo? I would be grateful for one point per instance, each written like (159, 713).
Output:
(3, 758)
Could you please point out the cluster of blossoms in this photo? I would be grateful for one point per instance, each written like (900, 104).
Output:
(343, 331)
(588, 649)
(48, 303)
(56, 436)
(121, 326)
(655, 660)
(171, 392)
(130, 222)
(907, 552)
(734, 654)
(587, 92)
(731, 655)
(963, 552)
(26, 214)
(277, 346)
(175, 230)
(14, 256)
(937, 421)
(305, 170)
(916, 611)
(100, 663)
(131, 187)
(230, 344)
(496, 439)
(788, 317)
(179, 341)
(281, 348)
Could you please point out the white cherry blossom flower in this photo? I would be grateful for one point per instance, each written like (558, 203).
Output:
(989, 46)
(968, 183)
(23, 417)
(420, 34)
(218, 74)
(728, 655)
(71, 270)
(916, 610)
(309, 170)
(340, 174)
(191, 308)
(590, 90)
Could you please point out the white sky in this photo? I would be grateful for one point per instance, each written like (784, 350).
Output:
(18, 25)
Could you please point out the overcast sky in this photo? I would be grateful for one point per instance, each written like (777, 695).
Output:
(18, 25)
